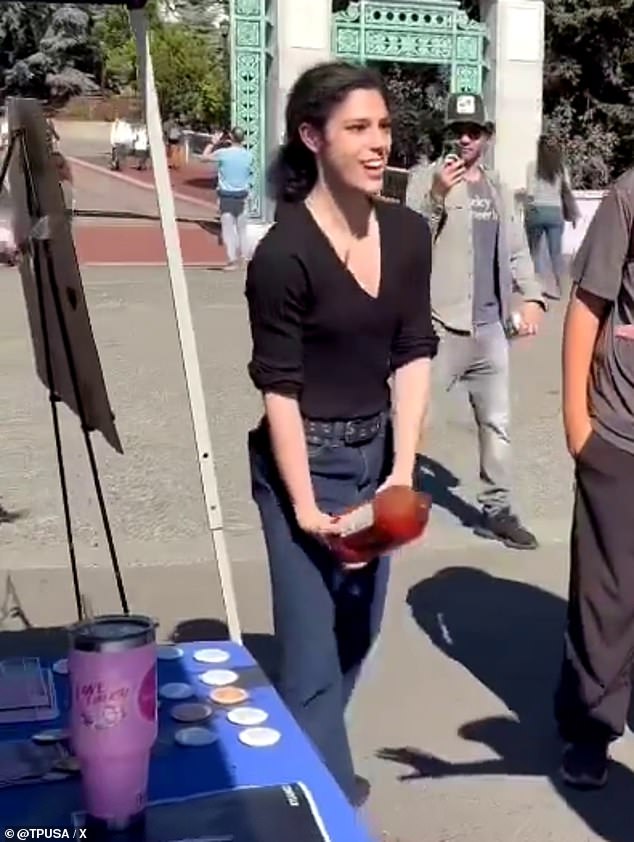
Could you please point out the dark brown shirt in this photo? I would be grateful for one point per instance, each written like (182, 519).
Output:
(317, 335)
(604, 266)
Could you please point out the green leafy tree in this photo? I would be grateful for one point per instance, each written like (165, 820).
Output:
(589, 85)
(190, 66)
(118, 50)
(417, 98)
(46, 51)
(191, 78)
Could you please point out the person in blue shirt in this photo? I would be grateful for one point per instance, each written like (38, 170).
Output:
(234, 165)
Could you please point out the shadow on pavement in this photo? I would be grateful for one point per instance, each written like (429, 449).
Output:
(211, 226)
(53, 642)
(261, 646)
(509, 636)
(202, 182)
(48, 643)
(437, 481)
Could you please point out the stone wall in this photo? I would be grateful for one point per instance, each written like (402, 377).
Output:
(100, 108)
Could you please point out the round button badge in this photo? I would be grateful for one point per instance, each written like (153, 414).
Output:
(259, 737)
(228, 696)
(218, 678)
(191, 712)
(247, 716)
(52, 735)
(167, 652)
(195, 736)
(211, 656)
(61, 667)
(176, 690)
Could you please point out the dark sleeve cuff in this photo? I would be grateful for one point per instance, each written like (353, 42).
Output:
(423, 349)
(266, 379)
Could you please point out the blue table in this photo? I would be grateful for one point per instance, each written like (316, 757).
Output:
(177, 771)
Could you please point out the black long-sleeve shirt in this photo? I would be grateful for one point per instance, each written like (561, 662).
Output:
(317, 334)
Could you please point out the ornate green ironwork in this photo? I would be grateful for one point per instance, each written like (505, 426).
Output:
(248, 41)
(413, 31)
(435, 32)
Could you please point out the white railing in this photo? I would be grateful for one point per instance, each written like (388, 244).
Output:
(195, 143)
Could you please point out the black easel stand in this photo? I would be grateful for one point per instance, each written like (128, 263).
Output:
(41, 253)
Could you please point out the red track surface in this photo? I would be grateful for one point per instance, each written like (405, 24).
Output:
(192, 180)
(105, 243)
(143, 244)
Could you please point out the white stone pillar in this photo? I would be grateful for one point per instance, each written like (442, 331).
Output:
(513, 87)
(301, 38)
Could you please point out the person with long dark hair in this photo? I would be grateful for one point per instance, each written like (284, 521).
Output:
(549, 204)
(339, 306)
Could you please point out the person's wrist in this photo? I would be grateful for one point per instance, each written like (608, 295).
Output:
(402, 471)
(577, 425)
(304, 506)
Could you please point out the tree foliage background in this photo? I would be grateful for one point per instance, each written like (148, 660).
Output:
(53, 52)
(190, 64)
(588, 91)
(589, 85)
(46, 51)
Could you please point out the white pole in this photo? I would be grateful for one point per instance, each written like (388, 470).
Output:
(184, 320)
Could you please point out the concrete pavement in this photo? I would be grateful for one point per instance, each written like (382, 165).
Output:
(457, 696)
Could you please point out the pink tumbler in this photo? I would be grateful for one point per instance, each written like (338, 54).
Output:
(112, 667)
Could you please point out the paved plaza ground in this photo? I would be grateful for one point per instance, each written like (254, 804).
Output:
(452, 722)
(457, 697)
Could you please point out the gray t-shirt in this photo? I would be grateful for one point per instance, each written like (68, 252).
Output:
(485, 224)
(604, 266)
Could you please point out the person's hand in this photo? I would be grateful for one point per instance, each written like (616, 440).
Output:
(531, 315)
(446, 177)
(312, 520)
(578, 432)
(397, 477)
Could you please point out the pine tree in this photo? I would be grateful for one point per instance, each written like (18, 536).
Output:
(46, 51)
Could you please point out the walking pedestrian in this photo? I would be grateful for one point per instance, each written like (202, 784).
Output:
(593, 696)
(121, 137)
(480, 255)
(338, 294)
(141, 147)
(234, 167)
(549, 204)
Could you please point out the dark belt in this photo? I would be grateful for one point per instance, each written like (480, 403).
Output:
(354, 431)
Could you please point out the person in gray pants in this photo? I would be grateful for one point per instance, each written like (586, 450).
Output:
(480, 257)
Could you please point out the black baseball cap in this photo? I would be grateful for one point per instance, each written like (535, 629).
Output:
(467, 108)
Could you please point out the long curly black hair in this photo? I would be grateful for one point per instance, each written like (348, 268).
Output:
(319, 90)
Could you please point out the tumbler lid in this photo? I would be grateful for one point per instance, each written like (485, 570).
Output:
(113, 633)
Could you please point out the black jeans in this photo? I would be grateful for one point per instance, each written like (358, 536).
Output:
(325, 620)
(595, 685)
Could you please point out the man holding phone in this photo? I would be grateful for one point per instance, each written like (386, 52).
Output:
(480, 257)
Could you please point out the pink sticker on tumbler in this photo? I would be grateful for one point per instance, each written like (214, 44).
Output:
(101, 706)
(147, 695)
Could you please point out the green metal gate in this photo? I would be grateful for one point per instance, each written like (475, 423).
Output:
(411, 31)
(439, 33)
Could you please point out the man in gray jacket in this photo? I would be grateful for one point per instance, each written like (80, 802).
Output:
(480, 258)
